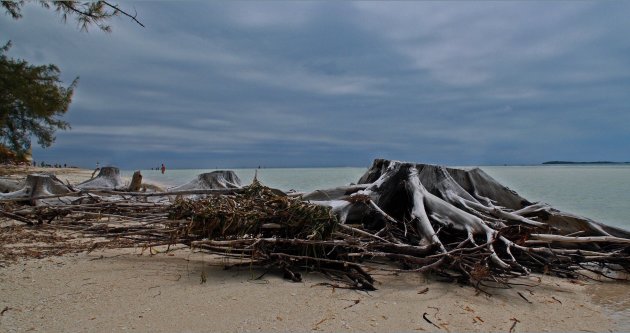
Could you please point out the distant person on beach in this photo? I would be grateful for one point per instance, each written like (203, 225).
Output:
(163, 168)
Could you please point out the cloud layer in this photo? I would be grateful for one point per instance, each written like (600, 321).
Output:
(233, 84)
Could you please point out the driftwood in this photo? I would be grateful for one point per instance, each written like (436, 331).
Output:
(460, 224)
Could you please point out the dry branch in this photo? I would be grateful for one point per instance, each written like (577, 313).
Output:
(419, 218)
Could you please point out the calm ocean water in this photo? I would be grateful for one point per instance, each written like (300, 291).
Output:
(598, 192)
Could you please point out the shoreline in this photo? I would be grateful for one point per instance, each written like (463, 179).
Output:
(129, 289)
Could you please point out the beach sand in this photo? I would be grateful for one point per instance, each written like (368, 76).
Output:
(132, 290)
(128, 290)
(72, 175)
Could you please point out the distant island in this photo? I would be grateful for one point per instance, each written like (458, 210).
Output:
(593, 162)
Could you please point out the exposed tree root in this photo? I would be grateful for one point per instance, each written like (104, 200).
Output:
(473, 224)
(459, 224)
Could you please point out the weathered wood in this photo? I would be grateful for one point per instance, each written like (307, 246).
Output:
(37, 186)
(136, 182)
(128, 194)
(221, 179)
(564, 239)
(421, 218)
(9, 185)
(107, 178)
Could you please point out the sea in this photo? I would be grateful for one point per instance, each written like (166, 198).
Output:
(599, 192)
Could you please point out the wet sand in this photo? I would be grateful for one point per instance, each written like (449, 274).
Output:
(615, 300)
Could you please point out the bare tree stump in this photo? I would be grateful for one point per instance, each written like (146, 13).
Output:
(453, 197)
(221, 179)
(9, 185)
(448, 209)
(108, 178)
(136, 182)
(36, 186)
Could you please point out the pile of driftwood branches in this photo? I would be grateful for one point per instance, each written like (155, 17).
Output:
(460, 224)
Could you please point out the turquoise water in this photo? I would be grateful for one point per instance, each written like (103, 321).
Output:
(598, 192)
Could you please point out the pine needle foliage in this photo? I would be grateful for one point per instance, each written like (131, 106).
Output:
(32, 100)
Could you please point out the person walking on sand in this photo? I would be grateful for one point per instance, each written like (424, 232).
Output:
(163, 168)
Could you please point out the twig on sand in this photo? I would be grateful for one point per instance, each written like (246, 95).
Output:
(514, 324)
(424, 316)
(355, 302)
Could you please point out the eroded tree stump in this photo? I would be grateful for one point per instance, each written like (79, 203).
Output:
(221, 179)
(37, 186)
(9, 185)
(136, 182)
(447, 210)
(108, 178)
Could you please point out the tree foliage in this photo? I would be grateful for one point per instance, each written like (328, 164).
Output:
(32, 98)
(86, 14)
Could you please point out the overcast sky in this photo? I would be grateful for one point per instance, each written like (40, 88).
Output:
(242, 84)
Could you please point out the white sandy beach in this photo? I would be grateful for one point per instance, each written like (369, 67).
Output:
(71, 175)
(125, 290)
